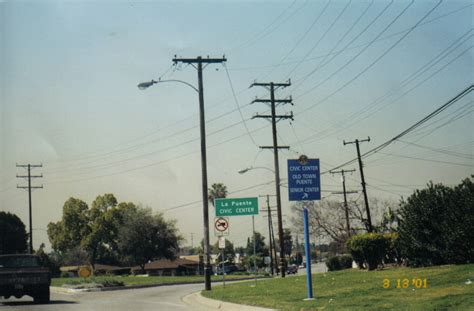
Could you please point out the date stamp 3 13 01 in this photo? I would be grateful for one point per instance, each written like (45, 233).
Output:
(405, 283)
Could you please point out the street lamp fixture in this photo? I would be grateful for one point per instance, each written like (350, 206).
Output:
(245, 170)
(145, 85)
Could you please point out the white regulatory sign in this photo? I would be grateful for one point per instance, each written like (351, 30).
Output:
(221, 242)
(221, 226)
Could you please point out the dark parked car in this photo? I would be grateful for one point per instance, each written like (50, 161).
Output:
(292, 269)
(23, 275)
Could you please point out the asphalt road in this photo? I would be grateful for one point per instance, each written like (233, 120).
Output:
(153, 298)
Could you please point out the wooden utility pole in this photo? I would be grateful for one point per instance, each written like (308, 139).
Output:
(30, 187)
(271, 241)
(346, 206)
(361, 168)
(274, 119)
(199, 61)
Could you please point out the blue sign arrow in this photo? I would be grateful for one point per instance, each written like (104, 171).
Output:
(304, 180)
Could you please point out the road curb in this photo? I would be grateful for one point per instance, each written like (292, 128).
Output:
(66, 290)
(204, 303)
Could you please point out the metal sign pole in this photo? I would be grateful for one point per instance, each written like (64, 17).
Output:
(254, 251)
(223, 266)
(309, 282)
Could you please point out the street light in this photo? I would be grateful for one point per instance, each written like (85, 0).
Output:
(245, 170)
(145, 85)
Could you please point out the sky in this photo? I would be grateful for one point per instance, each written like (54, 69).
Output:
(69, 100)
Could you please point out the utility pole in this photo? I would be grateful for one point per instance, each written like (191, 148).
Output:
(199, 61)
(364, 190)
(346, 207)
(270, 232)
(30, 187)
(274, 119)
(192, 241)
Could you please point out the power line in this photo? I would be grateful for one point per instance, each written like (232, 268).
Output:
(268, 29)
(411, 128)
(446, 152)
(301, 38)
(349, 123)
(331, 52)
(238, 106)
(320, 39)
(427, 160)
(299, 82)
(381, 56)
(394, 34)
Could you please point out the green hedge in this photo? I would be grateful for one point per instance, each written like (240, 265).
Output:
(372, 249)
(339, 262)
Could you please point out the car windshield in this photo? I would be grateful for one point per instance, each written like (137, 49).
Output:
(18, 261)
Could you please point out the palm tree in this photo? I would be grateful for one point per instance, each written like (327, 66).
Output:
(217, 191)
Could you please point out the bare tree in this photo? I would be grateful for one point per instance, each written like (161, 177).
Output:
(327, 217)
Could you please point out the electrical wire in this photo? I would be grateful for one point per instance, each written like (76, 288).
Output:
(300, 39)
(353, 119)
(380, 57)
(410, 129)
(238, 106)
(320, 39)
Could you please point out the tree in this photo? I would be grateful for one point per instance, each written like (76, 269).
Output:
(100, 228)
(48, 261)
(327, 218)
(89, 234)
(436, 225)
(12, 234)
(144, 237)
(67, 233)
(261, 249)
(287, 242)
(217, 191)
(229, 251)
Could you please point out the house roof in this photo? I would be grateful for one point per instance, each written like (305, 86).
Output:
(169, 264)
(98, 266)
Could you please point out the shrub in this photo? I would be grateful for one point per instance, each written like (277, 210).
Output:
(369, 248)
(339, 262)
(111, 282)
(345, 261)
(65, 274)
(333, 263)
(393, 251)
(437, 225)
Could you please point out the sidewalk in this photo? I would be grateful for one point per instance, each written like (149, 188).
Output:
(198, 302)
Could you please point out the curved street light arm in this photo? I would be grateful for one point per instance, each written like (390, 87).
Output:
(145, 85)
(245, 170)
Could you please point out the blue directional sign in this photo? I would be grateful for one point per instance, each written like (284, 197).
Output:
(303, 180)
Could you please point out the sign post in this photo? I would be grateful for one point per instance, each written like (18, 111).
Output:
(222, 246)
(236, 207)
(309, 284)
(304, 185)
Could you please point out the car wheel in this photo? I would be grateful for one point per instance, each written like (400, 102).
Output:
(42, 296)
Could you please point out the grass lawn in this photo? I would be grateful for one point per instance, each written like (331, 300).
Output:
(360, 290)
(134, 280)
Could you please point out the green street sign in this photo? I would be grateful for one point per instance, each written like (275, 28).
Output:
(236, 207)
